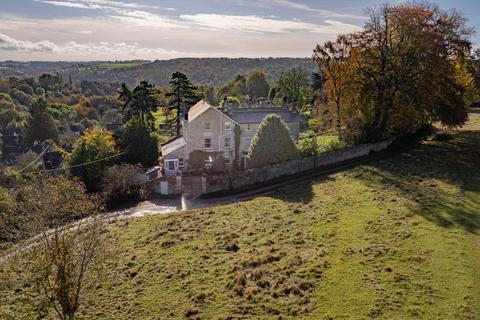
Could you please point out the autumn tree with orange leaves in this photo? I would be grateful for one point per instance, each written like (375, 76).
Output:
(405, 69)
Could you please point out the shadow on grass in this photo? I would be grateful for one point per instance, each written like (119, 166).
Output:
(301, 192)
(441, 179)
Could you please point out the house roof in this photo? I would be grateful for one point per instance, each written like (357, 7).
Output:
(198, 109)
(256, 115)
(173, 145)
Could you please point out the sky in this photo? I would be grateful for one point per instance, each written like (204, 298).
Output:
(85, 30)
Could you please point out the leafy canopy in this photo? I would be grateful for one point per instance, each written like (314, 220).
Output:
(91, 155)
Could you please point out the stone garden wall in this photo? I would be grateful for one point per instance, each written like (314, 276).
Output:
(243, 179)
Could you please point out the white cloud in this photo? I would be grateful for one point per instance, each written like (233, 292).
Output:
(95, 4)
(299, 6)
(10, 44)
(266, 25)
(146, 19)
(119, 49)
(70, 4)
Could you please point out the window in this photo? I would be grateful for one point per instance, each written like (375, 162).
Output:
(228, 126)
(207, 126)
(227, 142)
(208, 143)
(180, 163)
(171, 164)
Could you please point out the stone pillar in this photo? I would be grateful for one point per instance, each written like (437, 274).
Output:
(178, 184)
(204, 184)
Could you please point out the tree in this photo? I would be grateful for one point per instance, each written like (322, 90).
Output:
(140, 103)
(92, 154)
(11, 118)
(40, 125)
(140, 144)
(257, 85)
(272, 94)
(332, 59)
(210, 97)
(68, 250)
(182, 95)
(408, 57)
(405, 69)
(271, 144)
(292, 85)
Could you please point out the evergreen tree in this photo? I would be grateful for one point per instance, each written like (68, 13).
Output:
(271, 144)
(40, 126)
(182, 95)
(140, 144)
(140, 103)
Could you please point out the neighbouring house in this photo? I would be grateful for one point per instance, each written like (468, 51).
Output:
(212, 130)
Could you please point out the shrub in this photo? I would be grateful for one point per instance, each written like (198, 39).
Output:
(121, 183)
(219, 164)
(271, 144)
(308, 147)
(196, 159)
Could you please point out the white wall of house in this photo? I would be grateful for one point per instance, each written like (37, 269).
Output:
(211, 131)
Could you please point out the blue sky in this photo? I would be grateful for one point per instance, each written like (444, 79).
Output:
(84, 30)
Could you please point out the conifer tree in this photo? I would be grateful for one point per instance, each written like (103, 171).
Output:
(271, 144)
(182, 95)
(40, 126)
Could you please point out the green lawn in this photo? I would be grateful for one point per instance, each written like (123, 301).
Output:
(395, 239)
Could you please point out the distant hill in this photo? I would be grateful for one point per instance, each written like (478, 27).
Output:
(212, 71)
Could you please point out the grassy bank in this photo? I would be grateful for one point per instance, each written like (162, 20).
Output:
(395, 239)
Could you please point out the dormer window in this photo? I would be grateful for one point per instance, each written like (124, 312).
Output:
(207, 126)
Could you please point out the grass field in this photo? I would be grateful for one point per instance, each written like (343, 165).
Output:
(118, 65)
(394, 239)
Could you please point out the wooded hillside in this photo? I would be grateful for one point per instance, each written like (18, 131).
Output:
(212, 71)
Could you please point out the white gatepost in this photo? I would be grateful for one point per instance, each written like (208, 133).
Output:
(164, 187)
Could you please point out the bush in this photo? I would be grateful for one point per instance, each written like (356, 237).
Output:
(271, 144)
(219, 164)
(121, 183)
(308, 147)
(197, 158)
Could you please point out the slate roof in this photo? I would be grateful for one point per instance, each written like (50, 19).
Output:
(256, 115)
